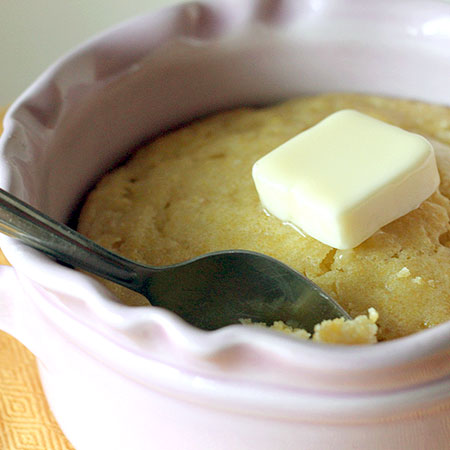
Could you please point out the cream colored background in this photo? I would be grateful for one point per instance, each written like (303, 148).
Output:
(34, 33)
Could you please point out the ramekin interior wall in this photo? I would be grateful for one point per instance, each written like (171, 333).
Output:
(185, 78)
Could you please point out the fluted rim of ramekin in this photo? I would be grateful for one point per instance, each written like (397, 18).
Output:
(125, 321)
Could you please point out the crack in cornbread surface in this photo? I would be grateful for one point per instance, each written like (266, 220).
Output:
(191, 192)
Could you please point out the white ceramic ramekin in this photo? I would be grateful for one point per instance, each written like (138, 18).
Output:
(121, 378)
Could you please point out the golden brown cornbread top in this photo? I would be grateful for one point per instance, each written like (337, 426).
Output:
(191, 192)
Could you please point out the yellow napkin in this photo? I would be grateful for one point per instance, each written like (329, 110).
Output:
(26, 422)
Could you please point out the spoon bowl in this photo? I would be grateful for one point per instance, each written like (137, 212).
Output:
(209, 292)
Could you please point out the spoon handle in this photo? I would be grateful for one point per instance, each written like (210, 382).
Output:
(21, 221)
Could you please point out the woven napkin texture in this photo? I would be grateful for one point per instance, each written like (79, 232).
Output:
(26, 422)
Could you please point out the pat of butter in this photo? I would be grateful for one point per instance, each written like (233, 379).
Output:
(346, 177)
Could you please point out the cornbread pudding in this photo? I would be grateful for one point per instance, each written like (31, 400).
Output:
(191, 192)
(360, 330)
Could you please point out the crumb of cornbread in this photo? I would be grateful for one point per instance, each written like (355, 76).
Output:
(279, 325)
(191, 192)
(360, 330)
(403, 273)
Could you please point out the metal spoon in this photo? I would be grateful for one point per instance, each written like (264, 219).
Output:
(210, 291)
